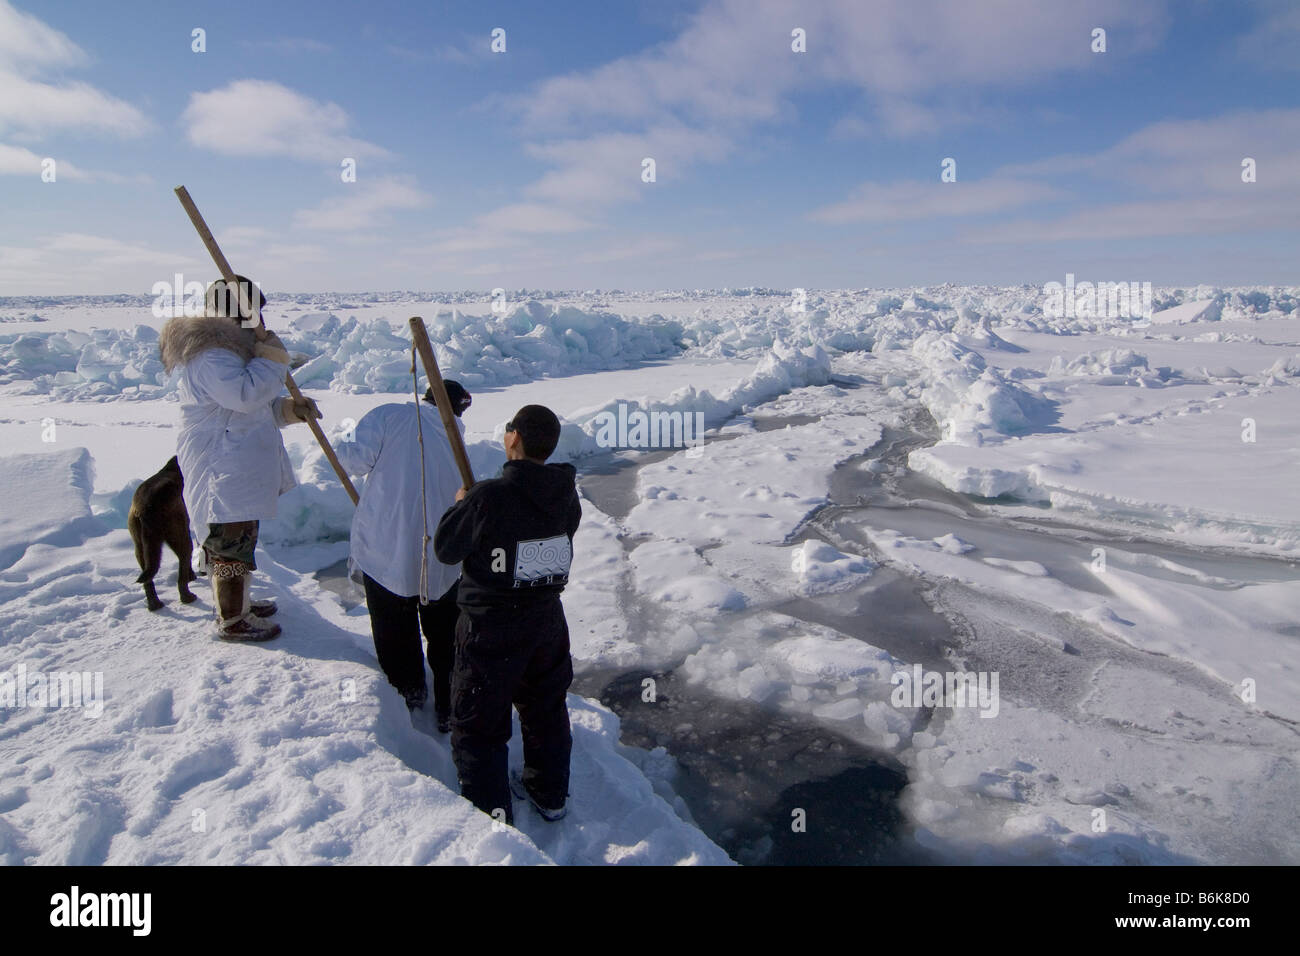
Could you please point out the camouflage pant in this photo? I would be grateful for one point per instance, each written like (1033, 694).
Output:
(232, 541)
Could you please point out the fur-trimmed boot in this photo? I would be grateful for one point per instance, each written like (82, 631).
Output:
(231, 581)
(261, 607)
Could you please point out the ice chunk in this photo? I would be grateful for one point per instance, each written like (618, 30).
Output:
(46, 501)
(951, 544)
(1206, 311)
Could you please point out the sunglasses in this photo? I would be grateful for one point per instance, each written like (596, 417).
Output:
(510, 426)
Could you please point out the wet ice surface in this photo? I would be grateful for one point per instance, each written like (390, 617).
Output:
(334, 578)
(744, 767)
(888, 612)
(1088, 721)
(610, 481)
(879, 491)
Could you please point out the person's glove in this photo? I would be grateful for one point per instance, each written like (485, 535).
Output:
(297, 411)
(271, 348)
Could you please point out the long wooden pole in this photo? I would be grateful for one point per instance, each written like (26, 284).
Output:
(248, 308)
(420, 336)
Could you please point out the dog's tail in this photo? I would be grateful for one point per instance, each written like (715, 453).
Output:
(149, 563)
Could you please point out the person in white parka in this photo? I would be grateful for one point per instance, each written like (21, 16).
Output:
(231, 456)
(388, 530)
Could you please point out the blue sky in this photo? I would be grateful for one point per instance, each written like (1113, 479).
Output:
(522, 169)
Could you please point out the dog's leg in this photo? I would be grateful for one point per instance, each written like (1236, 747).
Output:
(178, 539)
(148, 552)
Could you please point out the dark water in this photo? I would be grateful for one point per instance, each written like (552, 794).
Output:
(771, 423)
(769, 788)
(609, 480)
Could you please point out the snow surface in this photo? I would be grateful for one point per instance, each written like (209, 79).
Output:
(738, 567)
(293, 752)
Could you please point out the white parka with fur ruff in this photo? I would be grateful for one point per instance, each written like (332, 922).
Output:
(229, 447)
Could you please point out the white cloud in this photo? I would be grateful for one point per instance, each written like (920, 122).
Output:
(513, 229)
(243, 235)
(261, 118)
(732, 64)
(508, 227)
(19, 161)
(1173, 156)
(849, 127)
(1188, 175)
(921, 50)
(465, 49)
(467, 242)
(533, 218)
(73, 263)
(280, 255)
(647, 247)
(361, 205)
(728, 64)
(34, 105)
(16, 161)
(1191, 216)
(913, 200)
(28, 42)
(920, 65)
(1274, 40)
(607, 167)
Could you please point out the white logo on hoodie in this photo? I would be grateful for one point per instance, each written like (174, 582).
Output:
(542, 560)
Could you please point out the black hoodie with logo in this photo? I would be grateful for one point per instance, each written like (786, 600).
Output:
(513, 535)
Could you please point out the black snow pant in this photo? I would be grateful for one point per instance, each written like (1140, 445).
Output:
(396, 623)
(512, 655)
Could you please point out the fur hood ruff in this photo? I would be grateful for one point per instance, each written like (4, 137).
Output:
(184, 338)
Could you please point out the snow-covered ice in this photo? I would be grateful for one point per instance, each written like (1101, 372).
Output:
(296, 752)
(1101, 511)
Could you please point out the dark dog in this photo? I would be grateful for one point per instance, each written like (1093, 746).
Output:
(158, 516)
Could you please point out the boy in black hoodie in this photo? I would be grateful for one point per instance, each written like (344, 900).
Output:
(513, 536)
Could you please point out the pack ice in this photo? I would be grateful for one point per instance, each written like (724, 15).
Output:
(1101, 511)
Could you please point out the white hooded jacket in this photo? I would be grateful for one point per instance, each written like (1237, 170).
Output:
(387, 529)
(229, 447)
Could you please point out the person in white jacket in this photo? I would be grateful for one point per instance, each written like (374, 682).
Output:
(229, 448)
(388, 535)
